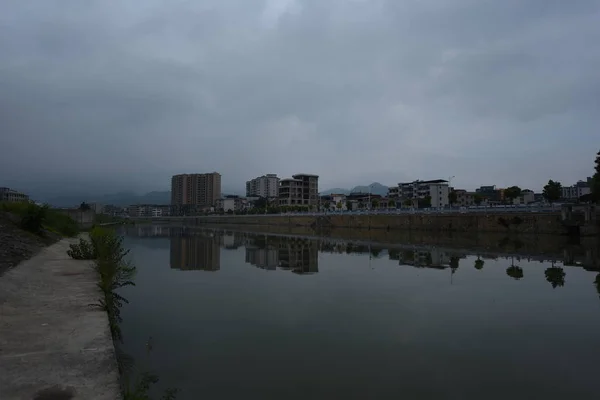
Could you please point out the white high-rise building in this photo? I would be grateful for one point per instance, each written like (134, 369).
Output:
(263, 186)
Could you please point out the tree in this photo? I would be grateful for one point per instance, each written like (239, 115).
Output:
(552, 191)
(477, 199)
(361, 205)
(512, 193)
(339, 205)
(392, 204)
(407, 202)
(479, 263)
(261, 202)
(348, 205)
(84, 206)
(327, 205)
(452, 197)
(555, 276)
(514, 272)
(425, 202)
(454, 263)
(375, 203)
(596, 180)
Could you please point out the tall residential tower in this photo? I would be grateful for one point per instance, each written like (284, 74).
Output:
(199, 190)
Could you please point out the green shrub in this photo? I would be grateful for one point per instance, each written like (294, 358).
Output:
(36, 218)
(33, 218)
(84, 250)
(61, 223)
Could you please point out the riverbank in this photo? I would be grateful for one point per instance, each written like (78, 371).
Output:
(488, 222)
(51, 341)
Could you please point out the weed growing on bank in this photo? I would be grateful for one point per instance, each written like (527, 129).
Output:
(105, 247)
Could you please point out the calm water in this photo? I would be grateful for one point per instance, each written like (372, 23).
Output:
(245, 316)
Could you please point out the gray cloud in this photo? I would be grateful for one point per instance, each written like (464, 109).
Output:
(124, 94)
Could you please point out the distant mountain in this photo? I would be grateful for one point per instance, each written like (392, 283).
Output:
(375, 188)
(118, 199)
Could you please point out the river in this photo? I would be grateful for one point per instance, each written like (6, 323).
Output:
(232, 315)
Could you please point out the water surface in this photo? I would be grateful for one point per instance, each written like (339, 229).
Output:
(255, 316)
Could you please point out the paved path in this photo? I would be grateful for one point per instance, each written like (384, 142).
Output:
(53, 346)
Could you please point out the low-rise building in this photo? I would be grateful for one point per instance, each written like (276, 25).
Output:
(464, 198)
(490, 194)
(231, 203)
(331, 201)
(575, 191)
(149, 210)
(436, 190)
(527, 196)
(300, 190)
(12, 196)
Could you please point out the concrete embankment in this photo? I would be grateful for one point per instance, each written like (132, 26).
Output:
(534, 223)
(53, 345)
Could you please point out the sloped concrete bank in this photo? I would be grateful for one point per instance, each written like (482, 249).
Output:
(53, 344)
(535, 223)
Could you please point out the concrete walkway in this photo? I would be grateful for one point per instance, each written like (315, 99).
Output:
(53, 345)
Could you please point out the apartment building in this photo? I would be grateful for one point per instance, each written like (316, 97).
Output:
(198, 190)
(577, 190)
(300, 190)
(263, 186)
(12, 196)
(393, 192)
(436, 189)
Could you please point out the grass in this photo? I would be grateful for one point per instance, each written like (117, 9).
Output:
(39, 219)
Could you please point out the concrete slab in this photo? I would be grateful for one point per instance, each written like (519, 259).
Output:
(53, 345)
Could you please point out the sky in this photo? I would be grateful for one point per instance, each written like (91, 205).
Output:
(105, 96)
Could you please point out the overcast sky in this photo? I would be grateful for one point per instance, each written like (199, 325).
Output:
(110, 95)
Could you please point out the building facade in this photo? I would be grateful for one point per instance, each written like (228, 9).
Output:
(263, 186)
(437, 190)
(230, 203)
(464, 198)
(300, 190)
(575, 191)
(198, 190)
(12, 196)
(148, 210)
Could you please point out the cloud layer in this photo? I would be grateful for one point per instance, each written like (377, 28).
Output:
(125, 94)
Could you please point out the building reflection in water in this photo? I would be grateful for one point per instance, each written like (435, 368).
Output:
(301, 256)
(195, 253)
(199, 249)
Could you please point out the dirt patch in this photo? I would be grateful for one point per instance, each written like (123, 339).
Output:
(16, 244)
